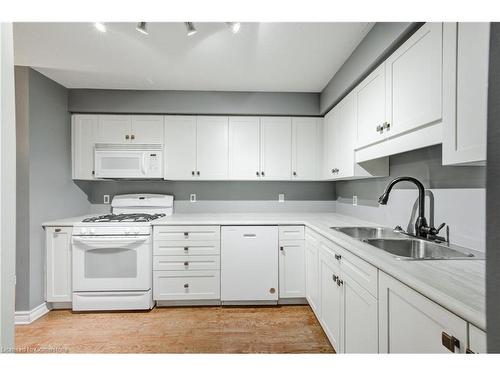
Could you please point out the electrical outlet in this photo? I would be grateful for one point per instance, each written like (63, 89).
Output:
(281, 198)
(192, 198)
(105, 199)
(354, 200)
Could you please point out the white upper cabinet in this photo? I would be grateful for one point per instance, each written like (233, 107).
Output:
(212, 147)
(339, 144)
(84, 129)
(276, 148)
(146, 129)
(306, 155)
(465, 138)
(130, 129)
(414, 81)
(114, 129)
(370, 108)
(244, 148)
(180, 147)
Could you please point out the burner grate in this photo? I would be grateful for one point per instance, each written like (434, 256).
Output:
(115, 218)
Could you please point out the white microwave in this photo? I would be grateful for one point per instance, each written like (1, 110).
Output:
(128, 161)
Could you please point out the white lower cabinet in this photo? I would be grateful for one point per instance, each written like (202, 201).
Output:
(291, 262)
(411, 323)
(312, 271)
(58, 266)
(477, 341)
(331, 299)
(186, 264)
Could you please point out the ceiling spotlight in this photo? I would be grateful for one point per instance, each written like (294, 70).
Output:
(100, 26)
(234, 26)
(141, 27)
(191, 30)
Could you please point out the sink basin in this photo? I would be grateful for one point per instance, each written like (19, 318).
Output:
(416, 249)
(369, 232)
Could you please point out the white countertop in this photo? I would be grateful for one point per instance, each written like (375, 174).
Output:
(457, 285)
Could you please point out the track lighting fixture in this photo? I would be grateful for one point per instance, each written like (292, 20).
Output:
(191, 30)
(141, 27)
(100, 26)
(234, 26)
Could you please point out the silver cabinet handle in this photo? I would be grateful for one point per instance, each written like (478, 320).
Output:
(192, 173)
(186, 285)
(338, 257)
(257, 174)
(127, 137)
(132, 137)
(186, 263)
(282, 248)
(186, 234)
(186, 248)
(335, 278)
(339, 282)
(197, 173)
(57, 230)
(386, 125)
(449, 342)
(294, 173)
(262, 173)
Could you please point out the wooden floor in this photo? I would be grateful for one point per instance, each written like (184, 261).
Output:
(282, 329)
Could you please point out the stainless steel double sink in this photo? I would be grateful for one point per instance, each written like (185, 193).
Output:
(406, 247)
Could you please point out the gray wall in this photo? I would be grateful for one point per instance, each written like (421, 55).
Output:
(456, 196)
(381, 41)
(193, 102)
(45, 157)
(493, 196)
(214, 190)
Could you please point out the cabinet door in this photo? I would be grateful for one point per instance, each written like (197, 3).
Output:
(180, 147)
(330, 143)
(415, 79)
(331, 300)
(276, 148)
(244, 148)
(371, 106)
(114, 129)
(146, 129)
(477, 340)
(346, 132)
(465, 138)
(212, 145)
(305, 142)
(84, 130)
(360, 319)
(292, 269)
(411, 323)
(312, 274)
(58, 270)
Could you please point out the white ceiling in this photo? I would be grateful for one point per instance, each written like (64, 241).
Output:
(295, 57)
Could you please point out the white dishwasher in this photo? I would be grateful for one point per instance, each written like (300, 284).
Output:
(249, 264)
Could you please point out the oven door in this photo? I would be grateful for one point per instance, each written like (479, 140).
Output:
(111, 263)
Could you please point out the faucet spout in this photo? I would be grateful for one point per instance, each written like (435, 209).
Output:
(421, 227)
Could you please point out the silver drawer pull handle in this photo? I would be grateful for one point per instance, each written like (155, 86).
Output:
(186, 234)
(186, 248)
(338, 257)
(186, 285)
(57, 230)
(186, 263)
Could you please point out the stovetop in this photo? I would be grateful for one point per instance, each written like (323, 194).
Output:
(126, 218)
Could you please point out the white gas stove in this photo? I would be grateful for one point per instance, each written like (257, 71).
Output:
(112, 254)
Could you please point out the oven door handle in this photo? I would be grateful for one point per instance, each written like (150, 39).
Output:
(107, 240)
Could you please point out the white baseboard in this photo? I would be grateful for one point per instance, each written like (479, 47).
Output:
(27, 317)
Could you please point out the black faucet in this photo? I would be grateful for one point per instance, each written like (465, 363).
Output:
(422, 229)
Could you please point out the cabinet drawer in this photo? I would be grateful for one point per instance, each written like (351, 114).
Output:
(353, 267)
(183, 263)
(187, 233)
(186, 285)
(187, 247)
(291, 232)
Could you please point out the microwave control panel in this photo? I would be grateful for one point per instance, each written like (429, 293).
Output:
(154, 162)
